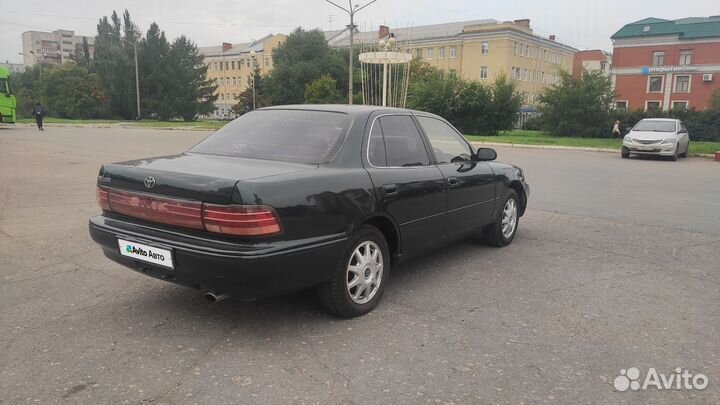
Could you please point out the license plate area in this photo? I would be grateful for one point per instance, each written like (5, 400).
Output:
(146, 253)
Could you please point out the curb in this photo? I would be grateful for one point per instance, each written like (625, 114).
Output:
(570, 148)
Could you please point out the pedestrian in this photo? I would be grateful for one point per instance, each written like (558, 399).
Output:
(616, 129)
(39, 113)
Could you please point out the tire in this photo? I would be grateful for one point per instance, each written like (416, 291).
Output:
(625, 153)
(348, 302)
(687, 149)
(493, 233)
(674, 157)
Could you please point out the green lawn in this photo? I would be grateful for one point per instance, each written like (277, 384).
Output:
(539, 138)
(52, 120)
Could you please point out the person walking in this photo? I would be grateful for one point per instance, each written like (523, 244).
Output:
(616, 129)
(39, 113)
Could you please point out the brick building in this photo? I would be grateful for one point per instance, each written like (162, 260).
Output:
(591, 60)
(663, 64)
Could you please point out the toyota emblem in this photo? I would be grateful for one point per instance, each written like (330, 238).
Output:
(149, 181)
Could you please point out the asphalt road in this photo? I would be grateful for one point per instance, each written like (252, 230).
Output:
(616, 265)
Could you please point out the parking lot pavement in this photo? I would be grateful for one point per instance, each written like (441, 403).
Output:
(615, 266)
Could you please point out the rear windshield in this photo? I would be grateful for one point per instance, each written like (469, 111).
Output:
(285, 135)
(656, 126)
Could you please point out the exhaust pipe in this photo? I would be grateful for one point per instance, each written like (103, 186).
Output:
(211, 296)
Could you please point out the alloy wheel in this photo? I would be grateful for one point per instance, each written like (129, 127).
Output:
(364, 272)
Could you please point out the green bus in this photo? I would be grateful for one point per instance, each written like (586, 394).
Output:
(7, 99)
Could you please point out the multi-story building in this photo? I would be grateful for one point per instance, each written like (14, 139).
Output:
(52, 47)
(481, 50)
(664, 64)
(591, 60)
(231, 66)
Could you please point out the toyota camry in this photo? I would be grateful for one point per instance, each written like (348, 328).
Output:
(296, 197)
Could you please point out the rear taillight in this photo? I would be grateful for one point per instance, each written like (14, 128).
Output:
(157, 209)
(241, 220)
(102, 196)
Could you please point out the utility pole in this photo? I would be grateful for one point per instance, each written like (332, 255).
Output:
(351, 12)
(137, 73)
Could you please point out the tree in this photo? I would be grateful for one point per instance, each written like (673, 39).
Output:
(474, 108)
(303, 58)
(323, 91)
(114, 62)
(157, 80)
(245, 98)
(714, 103)
(578, 107)
(70, 91)
(193, 93)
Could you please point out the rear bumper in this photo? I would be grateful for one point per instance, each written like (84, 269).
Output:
(247, 271)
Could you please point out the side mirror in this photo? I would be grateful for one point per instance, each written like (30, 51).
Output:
(485, 154)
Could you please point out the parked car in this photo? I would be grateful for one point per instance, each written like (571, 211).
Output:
(657, 136)
(294, 197)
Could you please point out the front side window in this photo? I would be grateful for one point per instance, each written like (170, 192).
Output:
(682, 84)
(658, 58)
(403, 145)
(445, 142)
(655, 84)
(286, 135)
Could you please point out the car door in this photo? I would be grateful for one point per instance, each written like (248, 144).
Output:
(471, 184)
(408, 186)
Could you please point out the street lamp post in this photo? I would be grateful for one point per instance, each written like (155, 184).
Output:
(37, 60)
(253, 54)
(351, 11)
(137, 73)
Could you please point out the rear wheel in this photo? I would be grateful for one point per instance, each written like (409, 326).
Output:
(359, 278)
(625, 152)
(501, 232)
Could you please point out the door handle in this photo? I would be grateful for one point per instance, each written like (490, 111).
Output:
(453, 182)
(390, 189)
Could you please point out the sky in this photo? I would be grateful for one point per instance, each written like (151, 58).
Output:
(583, 24)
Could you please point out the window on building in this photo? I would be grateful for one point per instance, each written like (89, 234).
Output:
(485, 47)
(525, 74)
(232, 65)
(655, 84)
(603, 66)
(222, 96)
(658, 58)
(453, 52)
(526, 52)
(652, 105)
(430, 53)
(453, 72)
(686, 57)
(419, 52)
(515, 50)
(680, 105)
(227, 65)
(483, 72)
(682, 84)
(248, 63)
(621, 105)
(542, 75)
(267, 61)
(441, 53)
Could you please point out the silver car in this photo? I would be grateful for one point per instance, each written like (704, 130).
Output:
(657, 136)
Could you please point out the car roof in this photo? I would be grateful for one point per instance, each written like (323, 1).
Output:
(355, 109)
(660, 119)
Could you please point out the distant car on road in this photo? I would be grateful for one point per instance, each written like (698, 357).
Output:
(657, 136)
(293, 197)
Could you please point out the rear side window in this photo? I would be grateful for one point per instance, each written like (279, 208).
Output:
(403, 145)
(286, 135)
